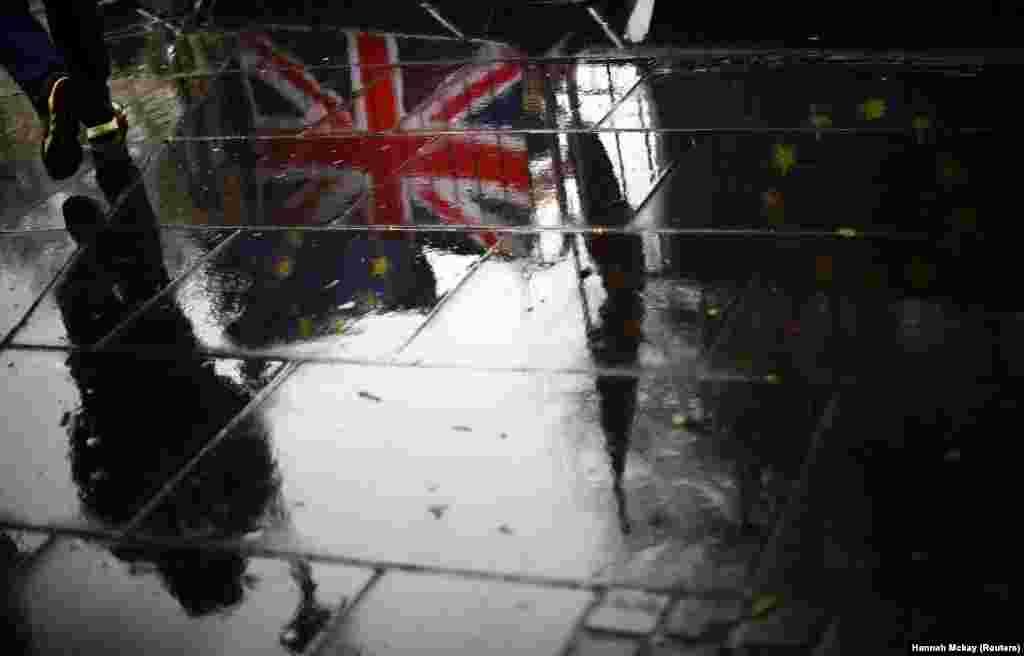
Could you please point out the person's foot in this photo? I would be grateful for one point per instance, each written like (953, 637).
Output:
(61, 151)
(108, 139)
(115, 170)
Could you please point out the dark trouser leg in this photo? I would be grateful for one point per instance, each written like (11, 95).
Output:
(26, 51)
(78, 32)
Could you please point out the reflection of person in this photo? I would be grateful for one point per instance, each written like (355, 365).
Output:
(13, 627)
(310, 617)
(66, 83)
(144, 413)
(620, 262)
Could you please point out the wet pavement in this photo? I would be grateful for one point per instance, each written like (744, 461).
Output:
(385, 350)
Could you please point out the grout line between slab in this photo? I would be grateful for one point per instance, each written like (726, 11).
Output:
(326, 637)
(578, 625)
(133, 524)
(70, 262)
(640, 221)
(257, 549)
(164, 293)
(647, 77)
(725, 130)
(442, 303)
(840, 234)
(657, 633)
(680, 369)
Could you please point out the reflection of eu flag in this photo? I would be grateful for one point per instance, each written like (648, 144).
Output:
(342, 272)
(368, 269)
(300, 281)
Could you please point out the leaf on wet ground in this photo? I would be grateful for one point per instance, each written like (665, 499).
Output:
(763, 604)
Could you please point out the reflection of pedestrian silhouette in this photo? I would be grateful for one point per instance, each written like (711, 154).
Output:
(144, 414)
(13, 627)
(615, 342)
(310, 616)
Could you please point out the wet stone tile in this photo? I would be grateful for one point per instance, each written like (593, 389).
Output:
(94, 296)
(16, 548)
(412, 613)
(86, 463)
(22, 542)
(600, 88)
(639, 159)
(669, 648)
(324, 293)
(454, 455)
(28, 263)
(591, 644)
(43, 213)
(798, 624)
(34, 202)
(438, 466)
(84, 598)
(627, 611)
(527, 311)
(510, 312)
(36, 482)
(692, 618)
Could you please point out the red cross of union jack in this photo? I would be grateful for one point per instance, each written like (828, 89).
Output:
(456, 178)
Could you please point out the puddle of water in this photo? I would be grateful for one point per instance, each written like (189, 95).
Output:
(27, 264)
(318, 293)
(35, 476)
(407, 613)
(84, 289)
(85, 458)
(83, 597)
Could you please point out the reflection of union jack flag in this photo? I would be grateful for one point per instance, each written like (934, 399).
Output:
(456, 179)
